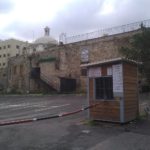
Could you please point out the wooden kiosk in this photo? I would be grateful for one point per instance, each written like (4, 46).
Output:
(112, 84)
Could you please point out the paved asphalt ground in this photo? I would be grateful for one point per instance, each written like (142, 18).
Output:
(67, 133)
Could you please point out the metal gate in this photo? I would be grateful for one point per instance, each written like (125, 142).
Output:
(67, 85)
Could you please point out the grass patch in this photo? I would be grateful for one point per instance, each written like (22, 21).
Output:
(142, 116)
(91, 122)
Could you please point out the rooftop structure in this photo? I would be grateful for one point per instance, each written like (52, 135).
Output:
(46, 39)
(42, 43)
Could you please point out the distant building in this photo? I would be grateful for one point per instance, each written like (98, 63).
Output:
(10, 48)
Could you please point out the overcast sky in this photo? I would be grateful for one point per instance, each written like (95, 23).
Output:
(25, 19)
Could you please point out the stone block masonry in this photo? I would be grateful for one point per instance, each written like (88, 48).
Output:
(68, 58)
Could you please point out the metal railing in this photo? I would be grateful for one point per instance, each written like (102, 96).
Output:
(104, 32)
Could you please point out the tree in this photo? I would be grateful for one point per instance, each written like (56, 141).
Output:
(140, 51)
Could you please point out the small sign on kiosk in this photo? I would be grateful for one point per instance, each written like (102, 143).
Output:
(117, 79)
(112, 84)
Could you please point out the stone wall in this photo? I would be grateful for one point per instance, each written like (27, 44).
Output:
(3, 79)
(68, 60)
(18, 74)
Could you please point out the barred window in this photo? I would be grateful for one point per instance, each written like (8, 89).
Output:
(83, 72)
(104, 88)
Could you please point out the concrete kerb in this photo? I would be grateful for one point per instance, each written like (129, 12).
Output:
(38, 95)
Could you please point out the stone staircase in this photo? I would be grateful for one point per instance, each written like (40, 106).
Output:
(52, 81)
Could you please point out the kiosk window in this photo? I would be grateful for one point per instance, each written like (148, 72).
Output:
(104, 88)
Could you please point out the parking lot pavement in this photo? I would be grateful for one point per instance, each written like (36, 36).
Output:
(66, 133)
(125, 141)
(22, 107)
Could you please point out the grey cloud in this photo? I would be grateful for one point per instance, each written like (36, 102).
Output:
(83, 16)
(132, 12)
(26, 31)
(79, 16)
(6, 6)
(65, 21)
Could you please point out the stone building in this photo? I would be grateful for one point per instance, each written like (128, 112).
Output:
(58, 66)
(9, 48)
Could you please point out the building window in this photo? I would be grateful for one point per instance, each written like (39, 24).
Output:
(24, 48)
(83, 72)
(0, 48)
(84, 56)
(0, 64)
(17, 46)
(15, 70)
(3, 64)
(4, 47)
(104, 88)
(9, 73)
(4, 55)
(0, 56)
(21, 70)
(8, 46)
(57, 64)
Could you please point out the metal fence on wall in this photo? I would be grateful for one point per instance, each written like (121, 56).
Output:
(103, 32)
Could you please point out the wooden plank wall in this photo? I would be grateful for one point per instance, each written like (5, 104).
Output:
(106, 110)
(130, 91)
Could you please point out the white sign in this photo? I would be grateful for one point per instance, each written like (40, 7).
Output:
(117, 78)
(94, 72)
(109, 71)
